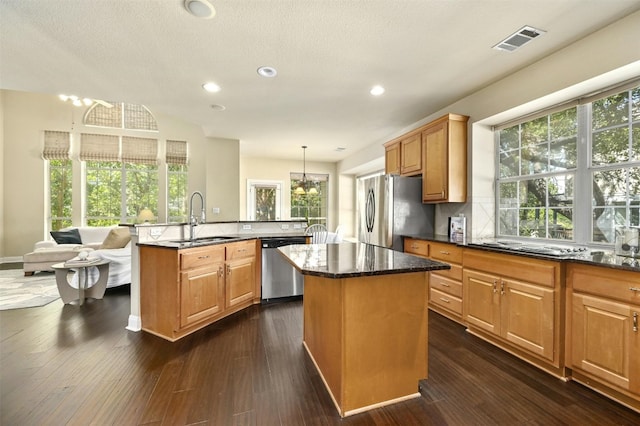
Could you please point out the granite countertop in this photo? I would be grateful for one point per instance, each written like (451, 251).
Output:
(348, 260)
(211, 240)
(594, 257)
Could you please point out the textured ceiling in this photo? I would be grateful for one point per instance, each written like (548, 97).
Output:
(328, 53)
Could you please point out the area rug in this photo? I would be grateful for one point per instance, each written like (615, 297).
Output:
(18, 291)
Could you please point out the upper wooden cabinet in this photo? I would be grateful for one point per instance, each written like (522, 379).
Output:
(444, 160)
(403, 156)
(392, 158)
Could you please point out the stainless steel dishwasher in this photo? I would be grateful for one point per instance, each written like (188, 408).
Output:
(279, 278)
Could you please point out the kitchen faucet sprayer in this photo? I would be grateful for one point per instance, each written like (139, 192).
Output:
(192, 219)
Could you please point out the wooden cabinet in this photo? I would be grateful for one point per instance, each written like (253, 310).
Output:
(603, 335)
(444, 160)
(241, 273)
(392, 158)
(445, 286)
(201, 284)
(517, 303)
(184, 290)
(403, 156)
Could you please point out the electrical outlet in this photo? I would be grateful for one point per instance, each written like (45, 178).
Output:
(246, 227)
(297, 226)
(285, 226)
(155, 232)
(215, 210)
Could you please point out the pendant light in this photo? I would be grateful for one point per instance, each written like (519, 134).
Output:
(302, 188)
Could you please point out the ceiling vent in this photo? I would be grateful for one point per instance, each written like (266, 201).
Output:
(518, 39)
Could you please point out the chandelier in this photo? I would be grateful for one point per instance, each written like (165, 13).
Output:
(302, 187)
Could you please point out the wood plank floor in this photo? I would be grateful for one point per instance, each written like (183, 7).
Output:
(77, 365)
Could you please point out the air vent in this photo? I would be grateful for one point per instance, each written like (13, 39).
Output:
(518, 39)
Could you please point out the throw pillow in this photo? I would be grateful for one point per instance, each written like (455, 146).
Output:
(70, 236)
(117, 238)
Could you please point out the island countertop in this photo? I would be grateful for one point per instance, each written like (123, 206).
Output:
(346, 260)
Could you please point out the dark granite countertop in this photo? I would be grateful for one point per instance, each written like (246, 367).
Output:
(348, 260)
(221, 239)
(594, 257)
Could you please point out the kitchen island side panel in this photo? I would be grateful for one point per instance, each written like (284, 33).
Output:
(368, 337)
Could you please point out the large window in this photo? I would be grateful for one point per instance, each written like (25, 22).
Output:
(177, 181)
(544, 173)
(310, 205)
(56, 153)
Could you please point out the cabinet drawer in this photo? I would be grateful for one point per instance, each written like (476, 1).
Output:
(605, 282)
(446, 285)
(197, 258)
(449, 253)
(455, 273)
(446, 301)
(241, 249)
(417, 247)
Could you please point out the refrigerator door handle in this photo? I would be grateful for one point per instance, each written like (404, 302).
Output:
(370, 210)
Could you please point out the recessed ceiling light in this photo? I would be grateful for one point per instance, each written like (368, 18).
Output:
(377, 90)
(217, 107)
(200, 8)
(211, 87)
(340, 148)
(267, 71)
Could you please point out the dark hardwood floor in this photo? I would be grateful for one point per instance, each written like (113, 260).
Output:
(77, 365)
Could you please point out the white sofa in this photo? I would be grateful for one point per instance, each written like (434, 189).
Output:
(47, 253)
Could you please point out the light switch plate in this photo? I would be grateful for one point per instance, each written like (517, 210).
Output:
(285, 226)
(155, 232)
(246, 227)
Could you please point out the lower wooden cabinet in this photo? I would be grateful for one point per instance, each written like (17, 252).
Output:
(603, 336)
(184, 290)
(517, 303)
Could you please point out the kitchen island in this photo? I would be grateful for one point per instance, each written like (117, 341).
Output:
(365, 321)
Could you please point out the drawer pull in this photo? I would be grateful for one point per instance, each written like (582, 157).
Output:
(635, 322)
(445, 300)
(444, 284)
(502, 287)
(495, 286)
(203, 257)
(446, 253)
(634, 288)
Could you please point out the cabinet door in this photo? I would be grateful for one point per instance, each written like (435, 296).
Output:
(481, 301)
(240, 281)
(411, 155)
(392, 159)
(201, 294)
(435, 163)
(604, 342)
(527, 318)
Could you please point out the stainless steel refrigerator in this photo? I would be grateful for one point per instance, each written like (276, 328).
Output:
(389, 207)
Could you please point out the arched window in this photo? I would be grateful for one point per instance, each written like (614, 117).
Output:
(120, 115)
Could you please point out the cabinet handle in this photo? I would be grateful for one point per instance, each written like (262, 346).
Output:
(634, 288)
(444, 284)
(228, 270)
(445, 300)
(203, 257)
(502, 287)
(445, 253)
(495, 286)
(220, 271)
(635, 322)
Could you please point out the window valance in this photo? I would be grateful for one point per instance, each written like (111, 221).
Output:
(176, 152)
(139, 150)
(99, 147)
(56, 145)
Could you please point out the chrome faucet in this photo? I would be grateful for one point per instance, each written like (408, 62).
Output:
(193, 222)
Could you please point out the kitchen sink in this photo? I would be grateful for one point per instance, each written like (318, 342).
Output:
(204, 240)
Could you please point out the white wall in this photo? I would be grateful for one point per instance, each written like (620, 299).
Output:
(279, 170)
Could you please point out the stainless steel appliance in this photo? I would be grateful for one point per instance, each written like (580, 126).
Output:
(391, 206)
(279, 277)
(559, 251)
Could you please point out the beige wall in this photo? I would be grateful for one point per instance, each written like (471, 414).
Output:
(609, 56)
(25, 117)
(3, 169)
(256, 168)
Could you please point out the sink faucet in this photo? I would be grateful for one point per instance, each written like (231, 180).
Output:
(193, 222)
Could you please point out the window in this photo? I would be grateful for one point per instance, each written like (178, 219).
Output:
(263, 199)
(56, 153)
(177, 182)
(545, 177)
(118, 186)
(311, 205)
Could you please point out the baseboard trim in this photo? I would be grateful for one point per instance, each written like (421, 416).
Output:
(13, 259)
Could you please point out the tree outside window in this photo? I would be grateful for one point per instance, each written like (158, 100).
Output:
(310, 206)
